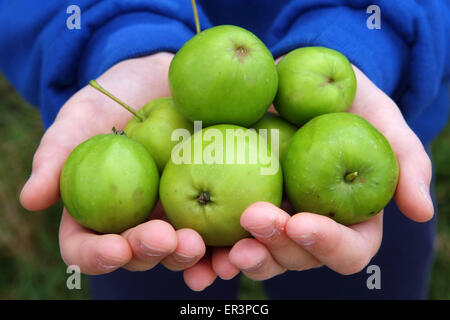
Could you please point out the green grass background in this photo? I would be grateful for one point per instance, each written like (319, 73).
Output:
(30, 264)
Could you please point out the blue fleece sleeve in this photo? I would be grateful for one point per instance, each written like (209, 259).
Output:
(47, 62)
(408, 58)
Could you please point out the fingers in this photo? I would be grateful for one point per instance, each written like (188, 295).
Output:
(346, 250)
(150, 243)
(221, 264)
(200, 276)
(413, 189)
(254, 260)
(266, 223)
(272, 251)
(156, 241)
(302, 242)
(94, 254)
(189, 251)
(412, 194)
(137, 249)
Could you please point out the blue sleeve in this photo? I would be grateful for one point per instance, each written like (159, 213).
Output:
(47, 62)
(408, 58)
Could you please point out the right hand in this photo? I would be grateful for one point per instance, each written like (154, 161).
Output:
(85, 114)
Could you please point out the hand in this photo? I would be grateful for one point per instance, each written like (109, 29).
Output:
(307, 240)
(87, 113)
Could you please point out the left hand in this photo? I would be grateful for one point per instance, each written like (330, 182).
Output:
(307, 240)
(84, 115)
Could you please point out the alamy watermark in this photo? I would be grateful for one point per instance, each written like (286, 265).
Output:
(74, 19)
(236, 146)
(374, 20)
(74, 280)
(374, 280)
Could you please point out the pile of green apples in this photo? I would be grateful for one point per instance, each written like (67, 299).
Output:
(322, 158)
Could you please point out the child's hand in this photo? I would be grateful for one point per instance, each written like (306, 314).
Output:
(306, 240)
(88, 113)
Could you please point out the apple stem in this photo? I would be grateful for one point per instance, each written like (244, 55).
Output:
(204, 197)
(351, 176)
(197, 23)
(95, 85)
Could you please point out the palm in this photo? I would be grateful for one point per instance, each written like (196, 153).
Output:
(86, 114)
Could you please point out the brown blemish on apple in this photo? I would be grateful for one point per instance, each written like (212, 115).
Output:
(331, 214)
(241, 51)
(137, 194)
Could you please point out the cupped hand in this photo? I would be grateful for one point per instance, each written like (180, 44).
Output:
(85, 114)
(306, 240)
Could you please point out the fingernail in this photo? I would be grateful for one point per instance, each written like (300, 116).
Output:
(184, 258)
(104, 264)
(253, 268)
(150, 251)
(263, 231)
(26, 183)
(426, 194)
(306, 240)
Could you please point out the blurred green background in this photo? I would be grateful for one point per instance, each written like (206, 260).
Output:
(30, 264)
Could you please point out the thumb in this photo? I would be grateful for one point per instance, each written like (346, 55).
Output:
(42, 188)
(412, 195)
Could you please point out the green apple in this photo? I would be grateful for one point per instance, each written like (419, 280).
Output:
(109, 183)
(314, 81)
(221, 171)
(270, 121)
(161, 120)
(340, 166)
(153, 126)
(223, 75)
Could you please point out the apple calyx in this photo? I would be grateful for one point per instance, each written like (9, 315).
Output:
(349, 177)
(328, 80)
(204, 198)
(95, 85)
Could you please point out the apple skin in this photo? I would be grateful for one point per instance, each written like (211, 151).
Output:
(232, 187)
(109, 183)
(223, 75)
(286, 130)
(323, 152)
(161, 119)
(313, 81)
